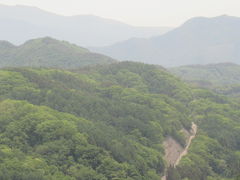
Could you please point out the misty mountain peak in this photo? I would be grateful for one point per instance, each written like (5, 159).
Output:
(6, 44)
(201, 40)
(45, 40)
(223, 19)
(51, 43)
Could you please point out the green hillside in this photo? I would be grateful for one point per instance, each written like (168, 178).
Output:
(213, 74)
(222, 78)
(109, 122)
(48, 52)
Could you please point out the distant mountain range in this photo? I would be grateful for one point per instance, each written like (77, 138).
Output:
(21, 23)
(48, 52)
(198, 41)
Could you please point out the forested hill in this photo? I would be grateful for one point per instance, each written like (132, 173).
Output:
(223, 78)
(48, 52)
(109, 122)
(215, 74)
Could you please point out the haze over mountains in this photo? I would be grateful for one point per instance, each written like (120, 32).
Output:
(198, 41)
(84, 30)
(63, 119)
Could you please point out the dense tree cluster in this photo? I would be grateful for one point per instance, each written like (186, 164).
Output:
(223, 78)
(109, 122)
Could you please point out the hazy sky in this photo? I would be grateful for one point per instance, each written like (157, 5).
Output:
(138, 12)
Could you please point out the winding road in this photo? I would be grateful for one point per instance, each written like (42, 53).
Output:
(193, 132)
(185, 151)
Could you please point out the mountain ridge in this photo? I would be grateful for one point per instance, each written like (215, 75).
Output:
(198, 41)
(84, 30)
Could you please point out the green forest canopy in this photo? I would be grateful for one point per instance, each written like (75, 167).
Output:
(109, 122)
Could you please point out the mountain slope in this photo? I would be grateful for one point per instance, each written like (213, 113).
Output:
(215, 74)
(105, 122)
(48, 52)
(198, 41)
(109, 122)
(84, 30)
(222, 78)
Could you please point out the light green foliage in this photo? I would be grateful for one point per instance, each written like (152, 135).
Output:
(213, 74)
(222, 78)
(109, 122)
(125, 127)
(213, 154)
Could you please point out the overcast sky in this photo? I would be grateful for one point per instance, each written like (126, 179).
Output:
(138, 12)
